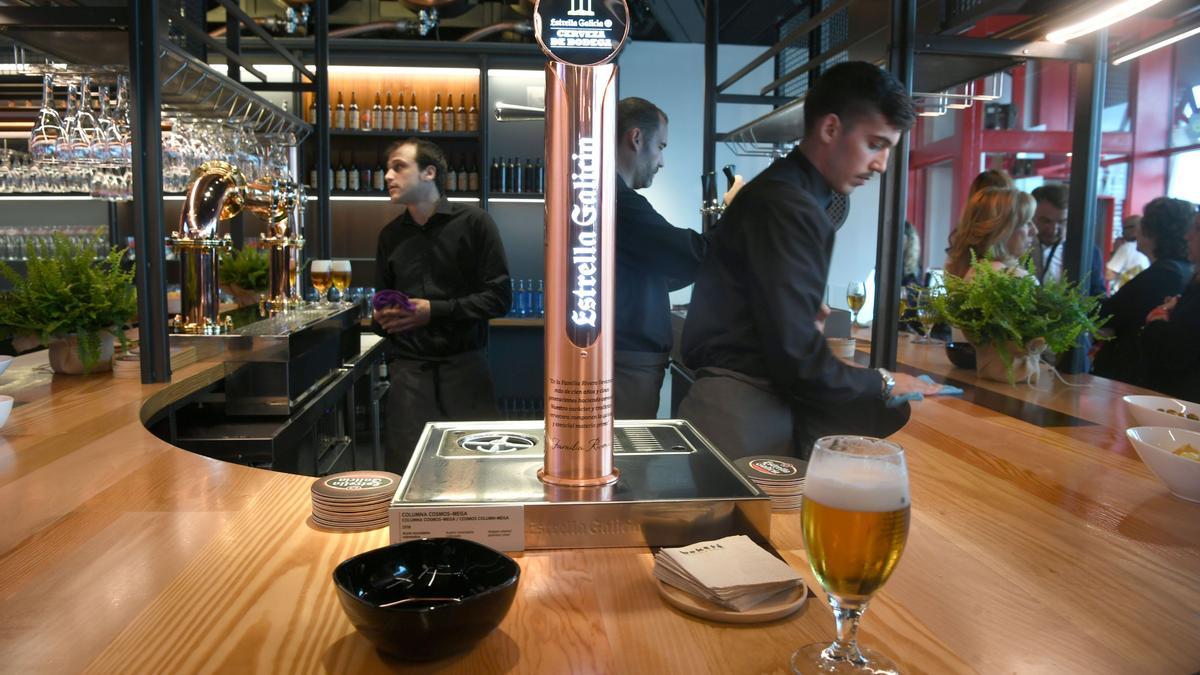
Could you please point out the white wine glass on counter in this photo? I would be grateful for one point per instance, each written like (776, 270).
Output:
(321, 275)
(856, 297)
(340, 274)
(926, 316)
(855, 521)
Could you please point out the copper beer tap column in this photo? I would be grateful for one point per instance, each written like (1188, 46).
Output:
(581, 37)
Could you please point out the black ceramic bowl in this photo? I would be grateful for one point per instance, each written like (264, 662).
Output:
(444, 595)
(961, 354)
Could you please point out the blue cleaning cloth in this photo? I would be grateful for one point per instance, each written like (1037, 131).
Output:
(946, 390)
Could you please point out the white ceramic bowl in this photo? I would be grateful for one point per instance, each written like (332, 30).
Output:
(1157, 445)
(5, 362)
(1145, 411)
(6, 403)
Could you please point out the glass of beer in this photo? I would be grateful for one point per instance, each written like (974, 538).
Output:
(319, 273)
(855, 520)
(856, 297)
(340, 273)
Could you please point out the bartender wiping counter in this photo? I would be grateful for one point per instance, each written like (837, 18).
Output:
(766, 381)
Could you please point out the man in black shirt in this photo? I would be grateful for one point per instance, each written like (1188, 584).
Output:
(653, 259)
(767, 383)
(449, 260)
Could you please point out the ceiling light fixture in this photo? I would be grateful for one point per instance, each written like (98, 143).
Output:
(1118, 12)
(1180, 33)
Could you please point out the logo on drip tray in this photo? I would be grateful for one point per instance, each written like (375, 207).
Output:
(581, 32)
(496, 443)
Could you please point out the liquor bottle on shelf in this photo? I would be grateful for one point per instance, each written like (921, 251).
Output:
(473, 177)
(376, 114)
(539, 299)
(352, 115)
(500, 181)
(339, 176)
(437, 115)
(473, 114)
(464, 183)
(365, 175)
(448, 116)
(377, 180)
(460, 114)
(312, 178)
(541, 176)
(312, 110)
(518, 173)
(414, 113)
(389, 115)
(451, 182)
(352, 183)
(339, 114)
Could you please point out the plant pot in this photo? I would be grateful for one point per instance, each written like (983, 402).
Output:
(64, 355)
(1026, 362)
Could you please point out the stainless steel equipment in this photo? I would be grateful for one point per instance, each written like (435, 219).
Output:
(217, 191)
(272, 365)
(674, 488)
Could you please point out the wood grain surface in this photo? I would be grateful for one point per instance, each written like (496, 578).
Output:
(1033, 549)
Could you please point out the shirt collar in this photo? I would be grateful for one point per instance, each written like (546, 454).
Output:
(443, 208)
(816, 183)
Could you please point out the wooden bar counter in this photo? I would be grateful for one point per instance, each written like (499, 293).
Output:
(1039, 543)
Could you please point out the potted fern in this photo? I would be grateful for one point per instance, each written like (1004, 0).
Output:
(70, 301)
(1011, 319)
(244, 275)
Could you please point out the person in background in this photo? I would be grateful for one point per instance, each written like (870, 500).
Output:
(766, 380)
(996, 224)
(653, 259)
(1050, 218)
(448, 258)
(1172, 333)
(1163, 232)
(1127, 260)
(991, 178)
(911, 273)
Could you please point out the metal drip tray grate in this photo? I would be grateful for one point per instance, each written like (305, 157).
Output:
(648, 438)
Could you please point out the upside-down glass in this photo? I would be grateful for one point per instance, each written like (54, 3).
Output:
(43, 140)
(855, 519)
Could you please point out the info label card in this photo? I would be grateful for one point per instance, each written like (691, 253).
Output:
(500, 526)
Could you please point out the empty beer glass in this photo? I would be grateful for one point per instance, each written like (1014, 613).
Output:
(855, 519)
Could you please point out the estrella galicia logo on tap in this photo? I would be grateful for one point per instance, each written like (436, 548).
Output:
(581, 32)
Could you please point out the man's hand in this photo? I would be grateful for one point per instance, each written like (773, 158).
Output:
(907, 384)
(733, 189)
(1163, 311)
(399, 320)
(822, 314)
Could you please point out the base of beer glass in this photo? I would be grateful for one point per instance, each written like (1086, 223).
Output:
(812, 659)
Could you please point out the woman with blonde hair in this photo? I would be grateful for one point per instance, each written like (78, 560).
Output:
(997, 223)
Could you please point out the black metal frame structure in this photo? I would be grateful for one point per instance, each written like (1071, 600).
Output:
(906, 45)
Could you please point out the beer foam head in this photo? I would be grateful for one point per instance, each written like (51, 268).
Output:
(857, 483)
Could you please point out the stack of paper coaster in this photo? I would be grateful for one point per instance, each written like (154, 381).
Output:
(355, 500)
(782, 478)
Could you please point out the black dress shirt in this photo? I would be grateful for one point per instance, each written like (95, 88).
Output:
(1126, 310)
(758, 292)
(653, 259)
(457, 262)
(1172, 348)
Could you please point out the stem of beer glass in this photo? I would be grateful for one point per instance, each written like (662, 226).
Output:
(845, 647)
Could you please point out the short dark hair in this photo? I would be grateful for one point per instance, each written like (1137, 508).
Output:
(428, 154)
(855, 89)
(1058, 194)
(634, 112)
(1167, 222)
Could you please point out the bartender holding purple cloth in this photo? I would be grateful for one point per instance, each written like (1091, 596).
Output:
(767, 383)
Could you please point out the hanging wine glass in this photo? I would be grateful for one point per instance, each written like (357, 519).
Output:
(43, 139)
(109, 144)
(84, 132)
(121, 115)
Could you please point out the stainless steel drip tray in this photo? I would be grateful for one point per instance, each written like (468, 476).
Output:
(674, 487)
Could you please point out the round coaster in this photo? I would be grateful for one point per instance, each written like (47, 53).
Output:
(773, 609)
(356, 485)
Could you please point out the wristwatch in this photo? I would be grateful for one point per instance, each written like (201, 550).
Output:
(889, 383)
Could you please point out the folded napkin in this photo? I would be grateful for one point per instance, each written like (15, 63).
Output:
(946, 390)
(733, 572)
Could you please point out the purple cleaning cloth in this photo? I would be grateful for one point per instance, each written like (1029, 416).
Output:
(391, 298)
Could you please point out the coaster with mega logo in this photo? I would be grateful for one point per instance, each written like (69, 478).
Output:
(356, 486)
